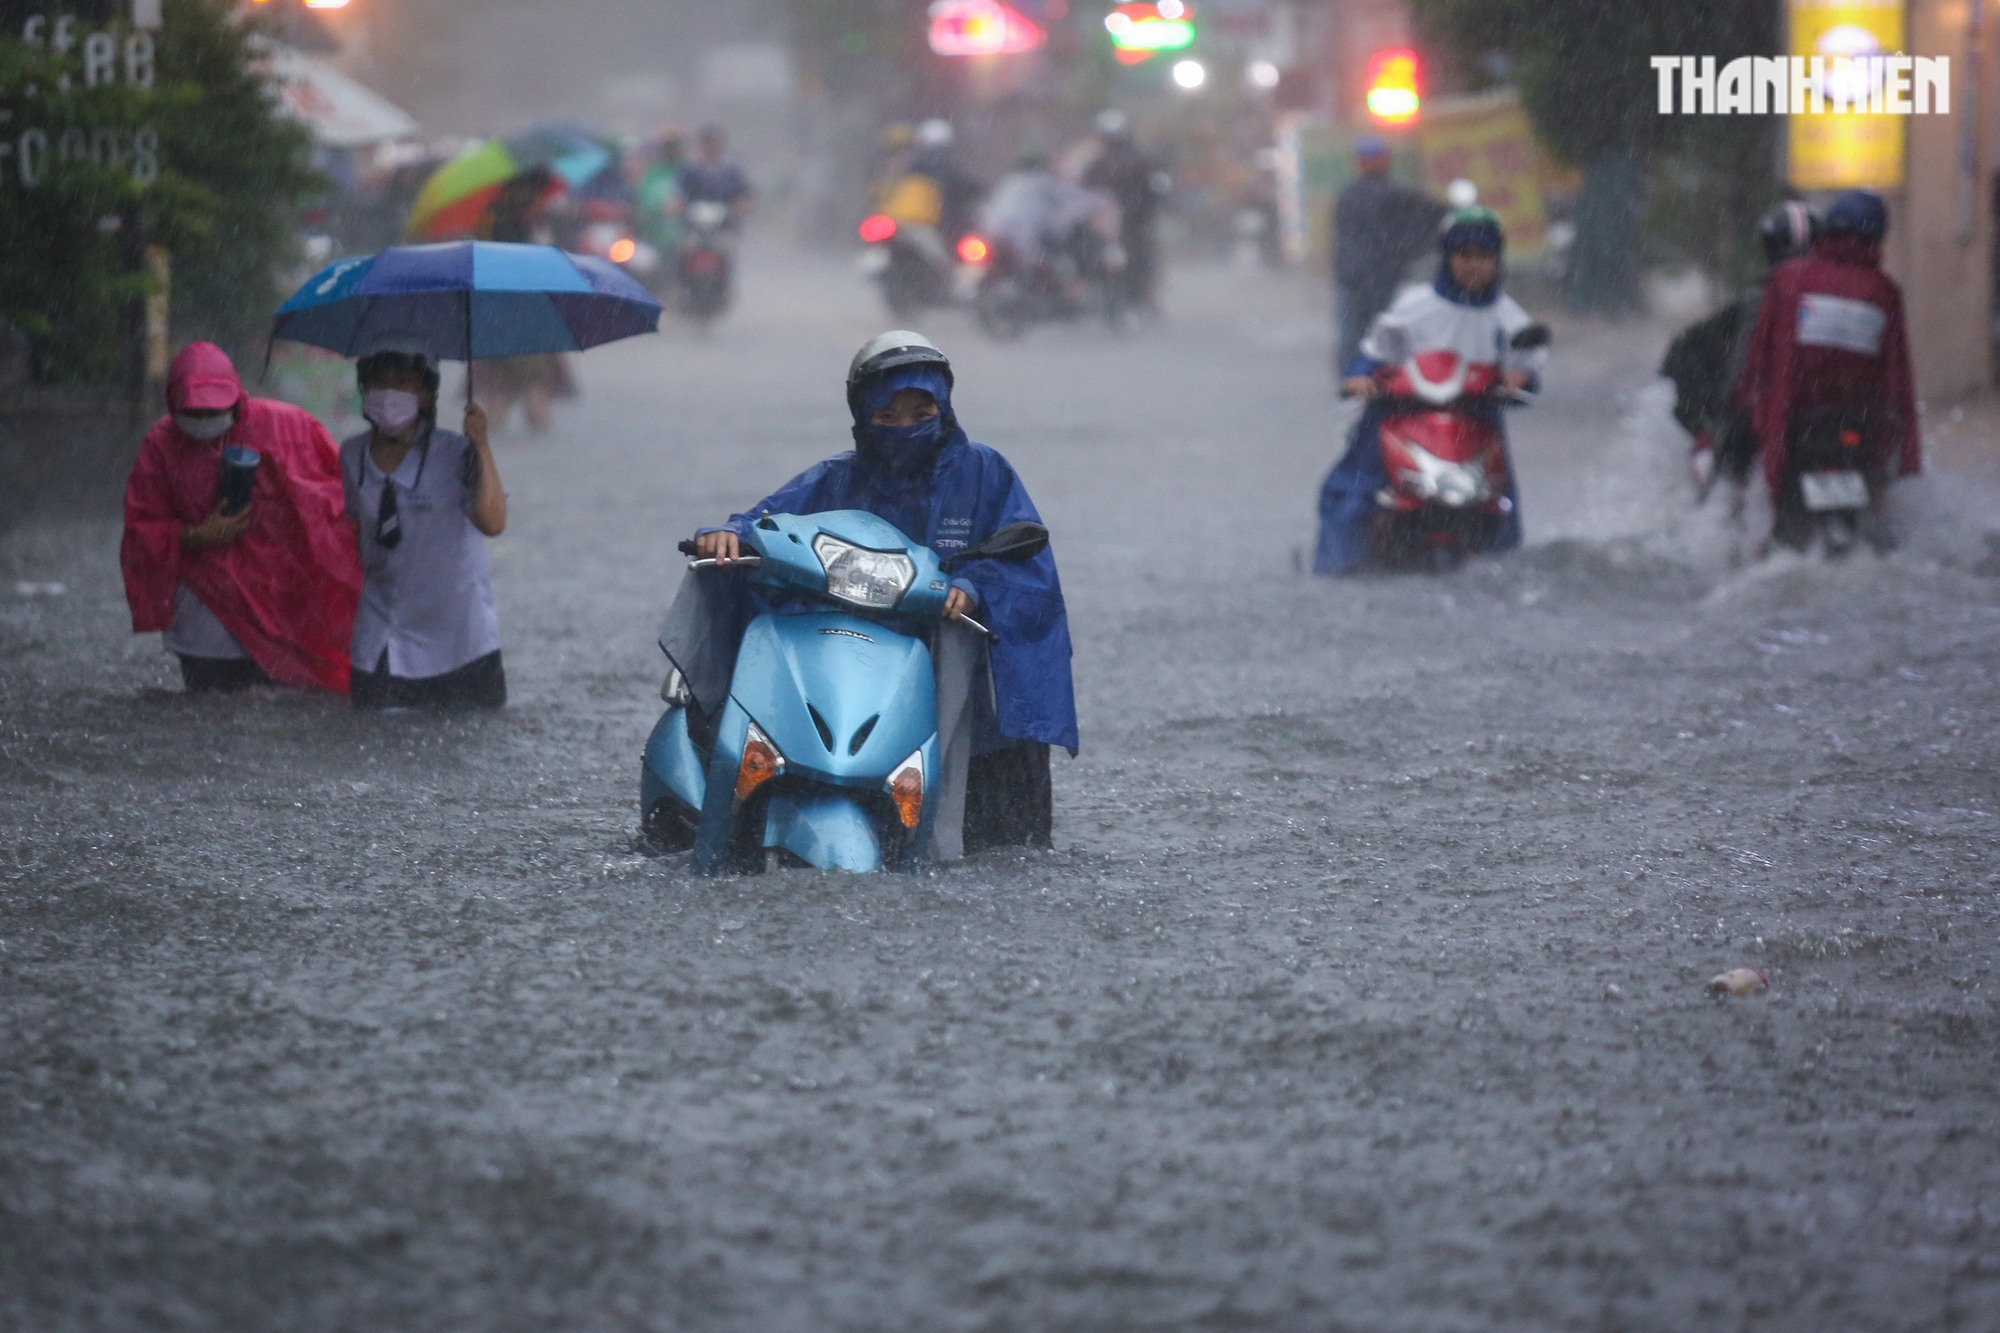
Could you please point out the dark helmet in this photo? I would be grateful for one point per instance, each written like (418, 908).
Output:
(897, 349)
(1789, 230)
(396, 356)
(1858, 213)
(1472, 226)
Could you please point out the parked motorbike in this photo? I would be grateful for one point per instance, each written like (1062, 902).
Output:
(1079, 278)
(1824, 489)
(1447, 493)
(827, 748)
(706, 262)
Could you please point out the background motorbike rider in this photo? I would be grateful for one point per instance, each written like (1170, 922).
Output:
(1034, 214)
(913, 465)
(1830, 350)
(1138, 185)
(1463, 311)
(714, 177)
(959, 191)
(1706, 358)
(659, 192)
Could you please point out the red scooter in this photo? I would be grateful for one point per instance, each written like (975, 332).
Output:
(1448, 491)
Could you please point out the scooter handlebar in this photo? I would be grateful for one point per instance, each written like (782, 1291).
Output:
(693, 548)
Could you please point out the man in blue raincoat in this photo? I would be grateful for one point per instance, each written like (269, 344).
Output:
(1463, 311)
(913, 466)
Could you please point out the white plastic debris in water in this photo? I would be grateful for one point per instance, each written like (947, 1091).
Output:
(26, 589)
(1739, 982)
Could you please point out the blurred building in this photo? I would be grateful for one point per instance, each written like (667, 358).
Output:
(1941, 245)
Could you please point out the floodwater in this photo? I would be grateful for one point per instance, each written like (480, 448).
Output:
(1364, 989)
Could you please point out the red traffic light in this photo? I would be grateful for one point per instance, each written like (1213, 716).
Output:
(1394, 87)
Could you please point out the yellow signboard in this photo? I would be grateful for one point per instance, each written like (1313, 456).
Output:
(1488, 141)
(1836, 149)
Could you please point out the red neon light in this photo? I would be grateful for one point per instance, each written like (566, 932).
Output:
(982, 28)
(877, 229)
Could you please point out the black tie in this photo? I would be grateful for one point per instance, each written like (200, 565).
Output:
(388, 523)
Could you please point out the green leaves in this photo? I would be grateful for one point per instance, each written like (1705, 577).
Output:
(203, 164)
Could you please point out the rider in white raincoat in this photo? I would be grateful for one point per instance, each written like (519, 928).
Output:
(1473, 320)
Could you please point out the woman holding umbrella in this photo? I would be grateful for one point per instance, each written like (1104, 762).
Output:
(423, 500)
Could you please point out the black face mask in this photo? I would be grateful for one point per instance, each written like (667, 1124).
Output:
(901, 451)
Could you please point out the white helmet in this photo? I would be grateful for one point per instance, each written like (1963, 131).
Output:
(935, 133)
(892, 351)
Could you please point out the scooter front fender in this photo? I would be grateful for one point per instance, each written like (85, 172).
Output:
(824, 828)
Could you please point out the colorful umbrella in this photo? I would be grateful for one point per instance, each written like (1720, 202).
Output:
(458, 193)
(469, 300)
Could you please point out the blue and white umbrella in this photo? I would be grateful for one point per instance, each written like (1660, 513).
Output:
(469, 300)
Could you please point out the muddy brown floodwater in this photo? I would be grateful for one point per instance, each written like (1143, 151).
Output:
(1364, 990)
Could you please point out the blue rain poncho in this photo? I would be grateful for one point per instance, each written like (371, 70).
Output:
(969, 492)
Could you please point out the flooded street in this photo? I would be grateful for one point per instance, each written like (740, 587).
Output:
(1363, 990)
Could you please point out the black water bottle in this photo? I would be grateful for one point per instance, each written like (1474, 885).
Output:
(239, 475)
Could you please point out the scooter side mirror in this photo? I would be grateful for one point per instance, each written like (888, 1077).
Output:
(1530, 338)
(1015, 541)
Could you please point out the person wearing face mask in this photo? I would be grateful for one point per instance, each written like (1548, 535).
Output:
(913, 465)
(265, 594)
(423, 501)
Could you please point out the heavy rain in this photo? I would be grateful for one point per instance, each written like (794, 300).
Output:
(1529, 861)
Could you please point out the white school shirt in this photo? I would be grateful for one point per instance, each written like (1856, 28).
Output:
(428, 602)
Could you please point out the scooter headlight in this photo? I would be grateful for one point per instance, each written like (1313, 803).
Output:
(906, 789)
(761, 762)
(874, 579)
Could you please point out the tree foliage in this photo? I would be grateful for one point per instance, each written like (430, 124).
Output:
(1584, 71)
(232, 174)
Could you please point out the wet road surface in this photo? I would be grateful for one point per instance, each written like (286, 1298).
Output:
(1364, 989)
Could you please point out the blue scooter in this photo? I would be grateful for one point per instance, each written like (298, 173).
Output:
(827, 747)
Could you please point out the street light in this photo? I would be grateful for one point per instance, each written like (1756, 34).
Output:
(1190, 75)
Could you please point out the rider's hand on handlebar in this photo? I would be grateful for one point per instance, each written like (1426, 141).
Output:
(1514, 380)
(721, 546)
(1360, 386)
(957, 604)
